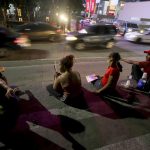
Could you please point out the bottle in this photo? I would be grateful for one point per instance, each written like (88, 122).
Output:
(131, 82)
(142, 81)
(128, 83)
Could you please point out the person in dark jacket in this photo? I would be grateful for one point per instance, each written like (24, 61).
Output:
(138, 67)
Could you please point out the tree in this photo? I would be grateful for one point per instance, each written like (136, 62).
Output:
(3, 10)
(27, 7)
(47, 7)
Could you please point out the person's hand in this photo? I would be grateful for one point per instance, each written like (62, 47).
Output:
(16, 89)
(57, 74)
(98, 76)
(18, 92)
(9, 93)
(96, 92)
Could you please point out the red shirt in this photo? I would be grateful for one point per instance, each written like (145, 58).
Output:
(146, 66)
(111, 71)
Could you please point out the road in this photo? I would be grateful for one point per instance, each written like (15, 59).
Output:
(100, 132)
(53, 51)
(125, 48)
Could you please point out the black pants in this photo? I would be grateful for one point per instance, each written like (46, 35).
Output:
(137, 75)
(78, 101)
(136, 72)
(54, 92)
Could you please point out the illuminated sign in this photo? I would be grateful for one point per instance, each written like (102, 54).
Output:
(90, 6)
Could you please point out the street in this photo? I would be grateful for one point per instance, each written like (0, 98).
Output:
(52, 51)
(100, 132)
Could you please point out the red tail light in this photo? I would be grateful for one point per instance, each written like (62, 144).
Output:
(17, 40)
(21, 39)
(59, 31)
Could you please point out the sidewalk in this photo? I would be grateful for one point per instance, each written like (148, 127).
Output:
(99, 130)
(49, 124)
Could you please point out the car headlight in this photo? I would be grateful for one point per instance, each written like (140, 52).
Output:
(141, 31)
(71, 38)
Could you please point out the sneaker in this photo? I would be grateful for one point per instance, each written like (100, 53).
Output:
(63, 98)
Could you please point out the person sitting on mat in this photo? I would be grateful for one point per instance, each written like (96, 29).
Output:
(111, 76)
(140, 67)
(67, 83)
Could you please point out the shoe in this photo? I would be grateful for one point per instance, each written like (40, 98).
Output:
(19, 93)
(63, 98)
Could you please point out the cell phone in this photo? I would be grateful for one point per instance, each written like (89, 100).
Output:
(55, 68)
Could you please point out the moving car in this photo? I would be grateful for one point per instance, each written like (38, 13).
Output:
(12, 39)
(93, 35)
(138, 37)
(40, 30)
(127, 27)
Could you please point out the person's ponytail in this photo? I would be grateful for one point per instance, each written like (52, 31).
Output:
(119, 66)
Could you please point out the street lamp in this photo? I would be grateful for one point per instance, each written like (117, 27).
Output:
(64, 20)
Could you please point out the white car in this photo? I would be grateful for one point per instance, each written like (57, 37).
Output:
(138, 37)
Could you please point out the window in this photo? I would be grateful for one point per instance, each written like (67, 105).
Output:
(32, 27)
(102, 30)
(28, 27)
(45, 27)
(110, 30)
(92, 29)
(132, 25)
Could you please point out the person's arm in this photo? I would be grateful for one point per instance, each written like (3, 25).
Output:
(130, 61)
(56, 83)
(106, 86)
(79, 78)
(9, 91)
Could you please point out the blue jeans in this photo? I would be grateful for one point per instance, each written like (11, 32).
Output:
(97, 84)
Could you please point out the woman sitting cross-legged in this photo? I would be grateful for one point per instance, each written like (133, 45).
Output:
(67, 83)
(109, 81)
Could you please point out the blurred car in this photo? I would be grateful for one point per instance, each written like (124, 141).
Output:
(12, 39)
(40, 30)
(93, 35)
(138, 37)
(128, 27)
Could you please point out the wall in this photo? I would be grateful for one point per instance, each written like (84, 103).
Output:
(134, 11)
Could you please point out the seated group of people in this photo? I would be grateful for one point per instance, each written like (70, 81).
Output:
(67, 83)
